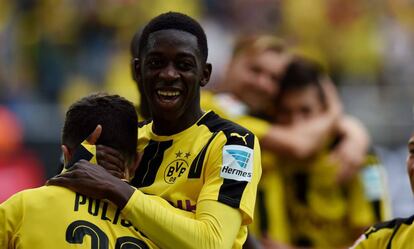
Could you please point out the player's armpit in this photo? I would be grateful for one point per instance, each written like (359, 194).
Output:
(215, 225)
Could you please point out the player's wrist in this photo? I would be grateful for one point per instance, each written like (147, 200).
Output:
(120, 194)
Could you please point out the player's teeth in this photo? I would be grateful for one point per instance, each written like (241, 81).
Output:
(168, 93)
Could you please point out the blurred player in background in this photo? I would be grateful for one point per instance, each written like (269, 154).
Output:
(245, 95)
(197, 161)
(55, 217)
(396, 233)
(323, 210)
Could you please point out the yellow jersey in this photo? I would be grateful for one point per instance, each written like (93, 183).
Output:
(393, 234)
(214, 159)
(320, 212)
(270, 214)
(55, 217)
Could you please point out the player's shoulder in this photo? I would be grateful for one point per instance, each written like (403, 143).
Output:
(383, 234)
(235, 134)
(389, 225)
(43, 193)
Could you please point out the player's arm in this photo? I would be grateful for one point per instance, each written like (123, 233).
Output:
(11, 214)
(304, 140)
(377, 236)
(353, 147)
(215, 225)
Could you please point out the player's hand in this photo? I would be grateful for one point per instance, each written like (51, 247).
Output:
(333, 102)
(348, 159)
(94, 181)
(111, 160)
(107, 157)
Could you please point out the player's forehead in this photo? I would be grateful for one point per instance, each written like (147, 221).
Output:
(172, 39)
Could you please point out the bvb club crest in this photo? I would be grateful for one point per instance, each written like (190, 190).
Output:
(176, 168)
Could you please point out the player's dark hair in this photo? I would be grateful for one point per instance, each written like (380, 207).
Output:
(177, 21)
(134, 45)
(143, 108)
(116, 115)
(302, 73)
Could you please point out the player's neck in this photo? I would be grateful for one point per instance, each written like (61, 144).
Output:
(167, 127)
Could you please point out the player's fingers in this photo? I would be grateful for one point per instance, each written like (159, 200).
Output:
(110, 151)
(111, 167)
(109, 157)
(59, 180)
(94, 136)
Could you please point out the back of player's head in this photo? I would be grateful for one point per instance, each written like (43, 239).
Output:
(116, 115)
(300, 74)
(177, 21)
(258, 43)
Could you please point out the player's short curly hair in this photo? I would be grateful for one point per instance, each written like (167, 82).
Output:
(178, 21)
(115, 114)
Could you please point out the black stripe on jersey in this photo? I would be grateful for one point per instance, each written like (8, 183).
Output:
(231, 192)
(145, 122)
(197, 164)
(150, 163)
(301, 181)
(376, 205)
(80, 153)
(392, 224)
(235, 133)
(263, 215)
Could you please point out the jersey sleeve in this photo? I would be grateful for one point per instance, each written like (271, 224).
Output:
(213, 226)
(232, 172)
(11, 215)
(373, 239)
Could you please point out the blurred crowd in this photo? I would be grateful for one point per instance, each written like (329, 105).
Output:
(54, 51)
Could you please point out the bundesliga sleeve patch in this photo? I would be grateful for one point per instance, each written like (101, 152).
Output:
(237, 163)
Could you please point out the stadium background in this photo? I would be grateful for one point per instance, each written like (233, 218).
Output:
(54, 51)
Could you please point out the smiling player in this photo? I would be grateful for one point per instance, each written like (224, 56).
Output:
(191, 158)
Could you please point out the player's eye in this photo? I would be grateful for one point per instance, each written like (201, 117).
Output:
(185, 65)
(154, 63)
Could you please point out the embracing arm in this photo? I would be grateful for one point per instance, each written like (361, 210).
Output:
(305, 139)
(299, 142)
(215, 225)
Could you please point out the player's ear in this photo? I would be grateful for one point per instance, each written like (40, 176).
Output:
(66, 153)
(206, 74)
(136, 72)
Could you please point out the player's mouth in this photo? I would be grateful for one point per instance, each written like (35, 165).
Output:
(168, 98)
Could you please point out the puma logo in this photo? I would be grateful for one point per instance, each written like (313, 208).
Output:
(234, 134)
